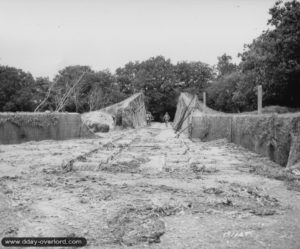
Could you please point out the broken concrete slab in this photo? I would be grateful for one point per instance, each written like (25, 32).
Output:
(131, 112)
(187, 105)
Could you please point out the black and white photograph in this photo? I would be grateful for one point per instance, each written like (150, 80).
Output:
(159, 124)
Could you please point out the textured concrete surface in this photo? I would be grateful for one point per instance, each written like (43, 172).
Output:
(187, 106)
(274, 136)
(131, 112)
(144, 188)
(23, 127)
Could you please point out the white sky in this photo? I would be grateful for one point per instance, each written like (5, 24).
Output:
(44, 36)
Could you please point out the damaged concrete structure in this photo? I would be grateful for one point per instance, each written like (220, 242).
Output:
(131, 112)
(23, 127)
(98, 121)
(276, 136)
(187, 106)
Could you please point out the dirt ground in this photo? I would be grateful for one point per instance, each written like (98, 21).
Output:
(145, 188)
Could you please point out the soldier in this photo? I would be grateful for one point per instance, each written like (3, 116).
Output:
(166, 118)
(149, 118)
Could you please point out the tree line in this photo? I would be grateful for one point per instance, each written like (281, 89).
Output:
(271, 60)
(80, 89)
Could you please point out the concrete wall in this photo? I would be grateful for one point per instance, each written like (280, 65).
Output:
(271, 135)
(23, 127)
(129, 113)
(185, 106)
(276, 136)
(209, 127)
(294, 155)
(188, 105)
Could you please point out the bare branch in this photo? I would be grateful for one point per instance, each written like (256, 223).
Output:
(47, 96)
(68, 93)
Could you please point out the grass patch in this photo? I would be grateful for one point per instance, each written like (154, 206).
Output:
(292, 181)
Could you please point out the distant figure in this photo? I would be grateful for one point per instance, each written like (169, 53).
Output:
(166, 118)
(161, 117)
(149, 118)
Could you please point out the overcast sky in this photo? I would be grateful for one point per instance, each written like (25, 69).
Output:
(43, 36)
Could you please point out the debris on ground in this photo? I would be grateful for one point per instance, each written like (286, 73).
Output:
(144, 188)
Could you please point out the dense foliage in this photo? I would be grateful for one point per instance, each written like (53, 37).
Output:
(271, 60)
(80, 89)
(161, 81)
(17, 90)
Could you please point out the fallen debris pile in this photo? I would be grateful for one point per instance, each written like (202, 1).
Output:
(131, 225)
(98, 121)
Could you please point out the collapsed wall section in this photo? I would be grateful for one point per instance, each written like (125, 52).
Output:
(187, 106)
(23, 127)
(274, 136)
(131, 112)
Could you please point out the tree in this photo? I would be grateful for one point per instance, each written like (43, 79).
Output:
(16, 90)
(225, 66)
(125, 77)
(42, 96)
(65, 85)
(193, 77)
(101, 90)
(221, 94)
(273, 59)
(156, 78)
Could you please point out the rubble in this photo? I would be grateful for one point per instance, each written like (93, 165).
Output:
(98, 121)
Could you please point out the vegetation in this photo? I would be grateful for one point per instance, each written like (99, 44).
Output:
(291, 180)
(161, 81)
(17, 90)
(271, 60)
(43, 120)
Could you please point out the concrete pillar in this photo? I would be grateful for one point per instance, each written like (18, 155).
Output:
(204, 101)
(259, 99)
